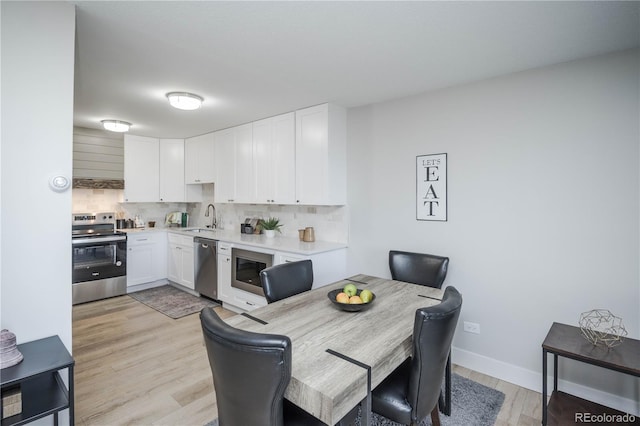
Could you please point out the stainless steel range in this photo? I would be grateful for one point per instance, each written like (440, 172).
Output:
(99, 254)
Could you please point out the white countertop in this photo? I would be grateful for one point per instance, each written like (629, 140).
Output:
(277, 243)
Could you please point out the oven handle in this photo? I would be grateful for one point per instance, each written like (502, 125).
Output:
(93, 240)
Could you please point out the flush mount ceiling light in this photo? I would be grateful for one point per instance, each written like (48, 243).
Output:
(116, 125)
(184, 100)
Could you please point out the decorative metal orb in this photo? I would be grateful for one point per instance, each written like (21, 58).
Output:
(601, 327)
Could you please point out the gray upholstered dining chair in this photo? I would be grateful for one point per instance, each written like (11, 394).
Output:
(286, 280)
(251, 372)
(418, 268)
(412, 391)
(428, 270)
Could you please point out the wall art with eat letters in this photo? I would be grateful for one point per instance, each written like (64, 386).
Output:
(431, 187)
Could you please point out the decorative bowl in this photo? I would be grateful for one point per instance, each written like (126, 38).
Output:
(347, 306)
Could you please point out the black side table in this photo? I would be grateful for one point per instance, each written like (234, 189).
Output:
(567, 341)
(43, 391)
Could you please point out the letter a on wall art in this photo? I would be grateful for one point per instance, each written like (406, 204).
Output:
(431, 187)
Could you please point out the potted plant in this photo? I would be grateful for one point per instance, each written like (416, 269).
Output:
(270, 226)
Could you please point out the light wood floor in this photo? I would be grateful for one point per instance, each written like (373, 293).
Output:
(136, 366)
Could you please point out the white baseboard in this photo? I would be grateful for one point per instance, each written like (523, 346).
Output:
(533, 380)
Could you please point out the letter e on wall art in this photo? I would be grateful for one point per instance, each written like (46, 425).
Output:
(431, 187)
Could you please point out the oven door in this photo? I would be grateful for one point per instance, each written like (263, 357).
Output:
(96, 258)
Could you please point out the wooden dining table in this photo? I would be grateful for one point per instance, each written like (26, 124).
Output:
(338, 357)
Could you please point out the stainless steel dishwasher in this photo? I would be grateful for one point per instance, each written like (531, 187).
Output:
(206, 267)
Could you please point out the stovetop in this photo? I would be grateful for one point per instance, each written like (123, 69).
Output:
(94, 225)
(95, 233)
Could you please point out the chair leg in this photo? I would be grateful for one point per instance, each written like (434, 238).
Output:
(445, 401)
(435, 416)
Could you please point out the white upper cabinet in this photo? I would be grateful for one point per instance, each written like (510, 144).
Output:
(225, 163)
(154, 170)
(245, 176)
(294, 158)
(235, 180)
(321, 155)
(274, 159)
(199, 159)
(172, 170)
(141, 169)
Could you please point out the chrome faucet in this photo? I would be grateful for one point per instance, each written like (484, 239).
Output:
(214, 222)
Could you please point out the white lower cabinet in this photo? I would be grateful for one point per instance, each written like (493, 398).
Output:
(146, 254)
(247, 301)
(328, 267)
(180, 265)
(281, 257)
(233, 298)
(224, 273)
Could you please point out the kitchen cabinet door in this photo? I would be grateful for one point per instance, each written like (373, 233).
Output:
(274, 159)
(199, 159)
(172, 187)
(141, 169)
(187, 266)
(225, 184)
(321, 155)
(180, 268)
(146, 257)
(174, 263)
(224, 273)
(140, 264)
(245, 177)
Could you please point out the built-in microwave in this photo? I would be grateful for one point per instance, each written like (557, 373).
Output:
(246, 267)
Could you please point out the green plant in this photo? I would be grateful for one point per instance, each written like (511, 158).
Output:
(273, 223)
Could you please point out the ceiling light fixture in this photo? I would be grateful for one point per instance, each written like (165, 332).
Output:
(184, 100)
(116, 125)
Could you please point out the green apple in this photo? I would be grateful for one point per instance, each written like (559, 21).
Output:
(350, 289)
(366, 296)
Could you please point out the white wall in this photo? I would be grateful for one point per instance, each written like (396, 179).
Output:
(543, 193)
(37, 119)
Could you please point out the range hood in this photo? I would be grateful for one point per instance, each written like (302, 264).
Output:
(98, 159)
(98, 183)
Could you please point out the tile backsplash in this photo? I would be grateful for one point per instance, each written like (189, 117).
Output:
(111, 200)
(331, 223)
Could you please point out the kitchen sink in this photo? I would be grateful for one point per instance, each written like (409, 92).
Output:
(198, 230)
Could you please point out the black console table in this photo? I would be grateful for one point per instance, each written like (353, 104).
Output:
(567, 341)
(43, 391)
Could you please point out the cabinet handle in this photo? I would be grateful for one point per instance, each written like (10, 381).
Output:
(141, 239)
(250, 304)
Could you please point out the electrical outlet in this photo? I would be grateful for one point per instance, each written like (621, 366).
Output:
(472, 327)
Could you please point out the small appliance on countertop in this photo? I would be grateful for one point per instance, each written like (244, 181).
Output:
(250, 226)
(180, 219)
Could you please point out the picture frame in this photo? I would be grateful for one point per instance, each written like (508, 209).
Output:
(431, 187)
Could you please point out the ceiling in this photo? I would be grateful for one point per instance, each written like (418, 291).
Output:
(252, 60)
